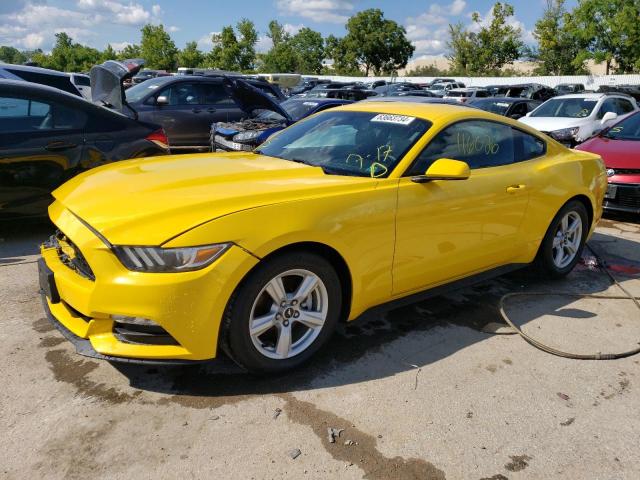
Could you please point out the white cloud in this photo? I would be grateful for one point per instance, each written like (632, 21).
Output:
(486, 19)
(205, 42)
(322, 11)
(429, 31)
(264, 44)
(292, 29)
(33, 23)
(32, 41)
(119, 46)
(173, 28)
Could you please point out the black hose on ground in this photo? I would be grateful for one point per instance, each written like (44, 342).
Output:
(596, 356)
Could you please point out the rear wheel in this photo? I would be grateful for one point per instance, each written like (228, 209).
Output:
(562, 245)
(282, 313)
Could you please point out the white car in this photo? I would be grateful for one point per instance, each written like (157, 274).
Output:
(82, 83)
(571, 119)
(464, 95)
(440, 89)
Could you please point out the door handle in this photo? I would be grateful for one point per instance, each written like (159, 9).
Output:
(55, 146)
(211, 110)
(196, 110)
(516, 188)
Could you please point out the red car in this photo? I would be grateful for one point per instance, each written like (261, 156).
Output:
(619, 146)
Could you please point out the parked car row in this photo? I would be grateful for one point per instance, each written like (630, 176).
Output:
(226, 111)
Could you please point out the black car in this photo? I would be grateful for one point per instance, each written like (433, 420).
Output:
(47, 136)
(506, 106)
(43, 76)
(184, 105)
(569, 88)
(266, 117)
(533, 91)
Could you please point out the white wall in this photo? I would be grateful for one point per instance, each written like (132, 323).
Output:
(591, 82)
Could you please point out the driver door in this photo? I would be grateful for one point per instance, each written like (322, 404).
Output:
(446, 230)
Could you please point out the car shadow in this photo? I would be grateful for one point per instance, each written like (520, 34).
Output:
(22, 238)
(383, 345)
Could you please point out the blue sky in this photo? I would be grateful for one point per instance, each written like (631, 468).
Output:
(32, 23)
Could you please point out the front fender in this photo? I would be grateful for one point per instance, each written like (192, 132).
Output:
(360, 226)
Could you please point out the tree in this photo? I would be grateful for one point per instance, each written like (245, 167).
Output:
(488, 48)
(231, 52)
(190, 56)
(558, 48)
(281, 57)
(375, 43)
(157, 48)
(609, 31)
(130, 51)
(12, 55)
(345, 61)
(108, 54)
(248, 37)
(308, 46)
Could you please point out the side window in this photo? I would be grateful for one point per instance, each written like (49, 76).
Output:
(482, 93)
(25, 115)
(181, 94)
(519, 109)
(624, 106)
(609, 105)
(479, 143)
(527, 146)
(215, 94)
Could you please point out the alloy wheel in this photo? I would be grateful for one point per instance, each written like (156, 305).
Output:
(288, 314)
(567, 239)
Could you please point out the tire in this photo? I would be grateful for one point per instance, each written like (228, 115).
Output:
(560, 249)
(266, 352)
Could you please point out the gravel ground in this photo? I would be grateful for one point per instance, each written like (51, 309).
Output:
(421, 392)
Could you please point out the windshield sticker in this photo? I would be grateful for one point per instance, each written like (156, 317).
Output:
(151, 87)
(502, 104)
(310, 104)
(590, 100)
(396, 119)
(616, 129)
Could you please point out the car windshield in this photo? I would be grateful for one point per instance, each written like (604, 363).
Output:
(453, 93)
(139, 91)
(360, 144)
(566, 108)
(295, 108)
(493, 106)
(627, 129)
(437, 87)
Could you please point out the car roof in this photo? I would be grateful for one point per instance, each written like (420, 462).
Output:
(427, 111)
(29, 68)
(593, 96)
(39, 88)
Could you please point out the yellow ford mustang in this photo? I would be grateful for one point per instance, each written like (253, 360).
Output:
(262, 253)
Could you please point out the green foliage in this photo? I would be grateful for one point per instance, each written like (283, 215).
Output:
(609, 31)
(301, 53)
(309, 48)
(345, 61)
(12, 55)
(558, 50)
(130, 51)
(108, 54)
(190, 56)
(157, 48)
(372, 43)
(234, 53)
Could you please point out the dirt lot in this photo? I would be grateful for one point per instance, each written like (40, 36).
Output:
(419, 393)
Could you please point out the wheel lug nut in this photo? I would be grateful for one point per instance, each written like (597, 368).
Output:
(283, 304)
(294, 302)
(285, 323)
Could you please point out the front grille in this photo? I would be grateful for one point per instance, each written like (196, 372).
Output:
(628, 198)
(627, 171)
(70, 255)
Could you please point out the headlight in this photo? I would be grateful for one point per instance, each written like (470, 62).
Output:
(163, 260)
(246, 136)
(565, 133)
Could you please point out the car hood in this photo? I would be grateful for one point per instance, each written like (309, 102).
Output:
(622, 154)
(249, 98)
(550, 124)
(107, 82)
(149, 201)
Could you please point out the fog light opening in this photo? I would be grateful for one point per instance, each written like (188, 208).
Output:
(145, 322)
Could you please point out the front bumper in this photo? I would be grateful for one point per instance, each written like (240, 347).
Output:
(188, 306)
(625, 199)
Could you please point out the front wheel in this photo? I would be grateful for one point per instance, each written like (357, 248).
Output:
(562, 245)
(282, 313)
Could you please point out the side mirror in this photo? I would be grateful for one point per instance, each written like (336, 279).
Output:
(608, 117)
(444, 169)
(162, 100)
(528, 114)
(515, 116)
